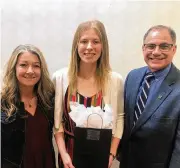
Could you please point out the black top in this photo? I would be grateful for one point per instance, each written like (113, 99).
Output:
(27, 138)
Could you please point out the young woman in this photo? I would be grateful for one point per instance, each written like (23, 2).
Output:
(89, 81)
(27, 111)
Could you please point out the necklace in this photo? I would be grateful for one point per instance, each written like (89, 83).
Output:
(30, 102)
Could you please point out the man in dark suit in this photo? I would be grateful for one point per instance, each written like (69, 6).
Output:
(151, 137)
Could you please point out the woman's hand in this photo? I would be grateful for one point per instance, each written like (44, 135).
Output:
(110, 161)
(59, 136)
(67, 161)
(113, 150)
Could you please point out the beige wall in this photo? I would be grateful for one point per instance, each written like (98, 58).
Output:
(50, 24)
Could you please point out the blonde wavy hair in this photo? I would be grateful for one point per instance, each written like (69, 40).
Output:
(103, 66)
(10, 92)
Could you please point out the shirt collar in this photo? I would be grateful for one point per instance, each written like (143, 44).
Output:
(161, 73)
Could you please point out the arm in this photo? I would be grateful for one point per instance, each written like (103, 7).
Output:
(118, 108)
(12, 138)
(58, 126)
(175, 158)
(62, 150)
(113, 150)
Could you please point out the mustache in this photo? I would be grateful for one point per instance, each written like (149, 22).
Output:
(160, 57)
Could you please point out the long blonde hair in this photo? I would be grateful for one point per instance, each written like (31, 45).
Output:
(103, 66)
(10, 91)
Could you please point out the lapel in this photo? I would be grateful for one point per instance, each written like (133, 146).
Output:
(160, 96)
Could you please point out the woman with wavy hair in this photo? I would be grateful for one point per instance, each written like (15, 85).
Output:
(89, 81)
(27, 111)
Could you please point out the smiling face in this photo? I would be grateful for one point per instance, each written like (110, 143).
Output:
(28, 69)
(89, 46)
(158, 59)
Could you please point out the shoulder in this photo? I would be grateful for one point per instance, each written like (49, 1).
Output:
(3, 113)
(60, 77)
(61, 81)
(60, 73)
(116, 80)
(138, 70)
(5, 119)
(115, 76)
(174, 71)
(135, 73)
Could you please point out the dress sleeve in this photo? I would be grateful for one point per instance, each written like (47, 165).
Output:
(58, 106)
(117, 99)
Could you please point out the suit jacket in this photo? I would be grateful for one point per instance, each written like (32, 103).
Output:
(154, 141)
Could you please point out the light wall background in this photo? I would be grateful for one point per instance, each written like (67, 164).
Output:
(50, 25)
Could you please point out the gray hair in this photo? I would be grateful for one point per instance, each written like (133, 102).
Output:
(160, 27)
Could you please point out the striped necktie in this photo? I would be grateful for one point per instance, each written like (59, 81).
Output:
(140, 105)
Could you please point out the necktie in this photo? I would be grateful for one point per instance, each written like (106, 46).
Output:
(140, 105)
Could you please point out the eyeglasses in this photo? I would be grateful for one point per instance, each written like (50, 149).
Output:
(164, 47)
